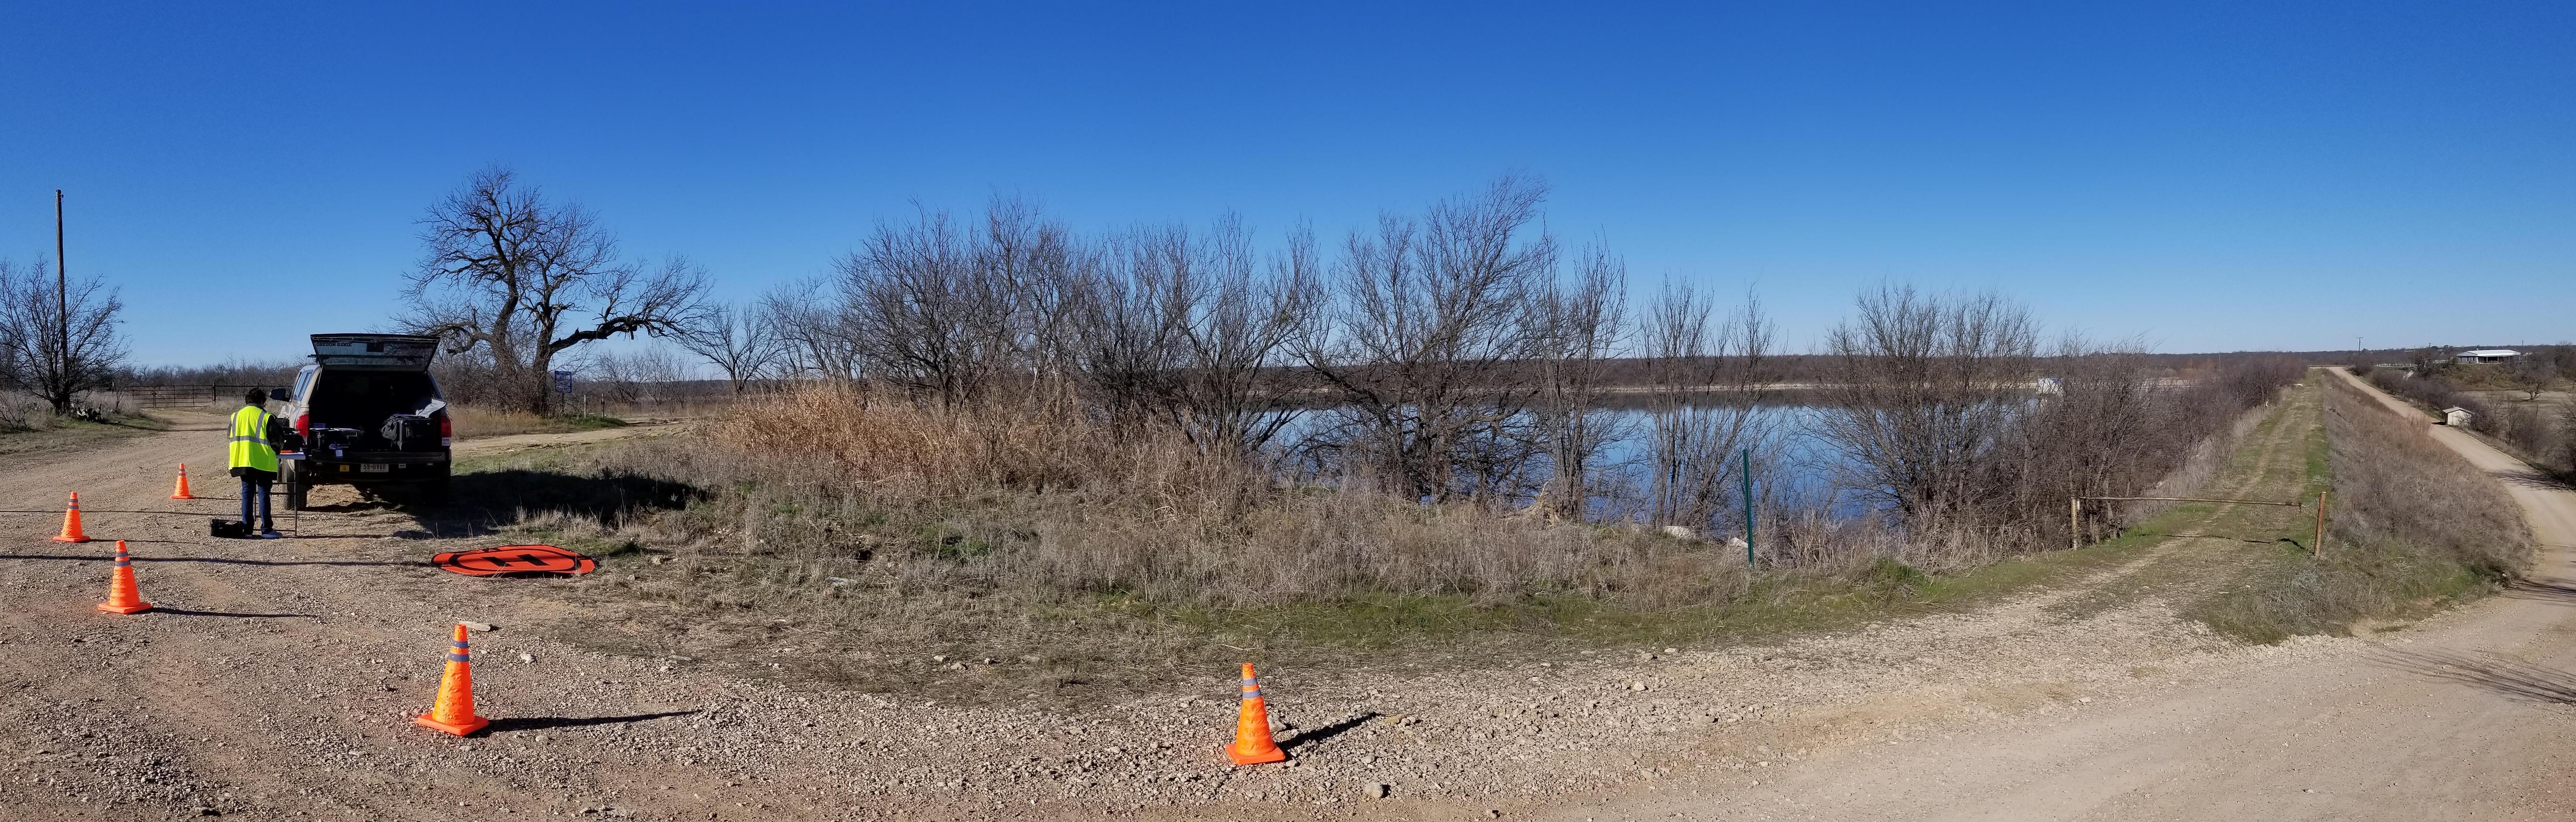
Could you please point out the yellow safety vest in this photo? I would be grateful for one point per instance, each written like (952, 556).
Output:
(250, 447)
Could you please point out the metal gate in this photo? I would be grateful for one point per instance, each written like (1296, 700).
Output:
(171, 396)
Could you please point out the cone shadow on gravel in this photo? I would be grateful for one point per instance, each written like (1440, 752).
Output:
(483, 502)
(2494, 673)
(1312, 736)
(539, 723)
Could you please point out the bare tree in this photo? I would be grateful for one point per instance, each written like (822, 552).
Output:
(2532, 374)
(1235, 341)
(818, 338)
(1584, 322)
(1427, 341)
(613, 378)
(2093, 431)
(1924, 388)
(34, 356)
(951, 314)
(739, 341)
(648, 375)
(524, 281)
(1128, 318)
(1710, 378)
(1189, 329)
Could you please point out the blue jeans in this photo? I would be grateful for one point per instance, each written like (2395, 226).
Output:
(256, 490)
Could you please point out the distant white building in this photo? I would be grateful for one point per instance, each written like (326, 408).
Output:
(2485, 355)
(2456, 417)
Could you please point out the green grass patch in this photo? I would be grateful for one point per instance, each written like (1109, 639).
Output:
(1774, 604)
(2293, 594)
(583, 422)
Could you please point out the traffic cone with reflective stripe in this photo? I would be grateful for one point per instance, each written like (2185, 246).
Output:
(71, 523)
(122, 598)
(182, 493)
(454, 712)
(1252, 744)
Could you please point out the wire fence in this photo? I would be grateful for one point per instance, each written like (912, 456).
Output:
(186, 396)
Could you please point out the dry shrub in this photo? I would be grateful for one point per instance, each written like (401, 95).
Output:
(1017, 499)
(2398, 485)
(931, 451)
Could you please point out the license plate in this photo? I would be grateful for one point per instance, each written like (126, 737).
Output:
(374, 469)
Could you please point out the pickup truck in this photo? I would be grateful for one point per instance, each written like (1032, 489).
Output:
(370, 415)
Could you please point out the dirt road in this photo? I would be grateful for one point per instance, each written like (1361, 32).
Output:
(2464, 717)
(278, 681)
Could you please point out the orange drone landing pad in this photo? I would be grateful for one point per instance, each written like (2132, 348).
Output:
(515, 559)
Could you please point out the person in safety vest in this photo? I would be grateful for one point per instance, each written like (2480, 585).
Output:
(252, 453)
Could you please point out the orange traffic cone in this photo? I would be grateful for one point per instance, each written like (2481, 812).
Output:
(122, 598)
(182, 493)
(454, 712)
(1252, 745)
(71, 523)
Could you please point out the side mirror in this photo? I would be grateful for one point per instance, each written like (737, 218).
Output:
(278, 394)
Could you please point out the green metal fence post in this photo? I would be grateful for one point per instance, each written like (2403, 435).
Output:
(1748, 508)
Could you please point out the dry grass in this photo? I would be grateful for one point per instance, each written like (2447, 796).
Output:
(2397, 484)
(2415, 527)
(1027, 500)
(473, 422)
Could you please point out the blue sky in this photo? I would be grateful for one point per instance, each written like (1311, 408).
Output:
(2209, 176)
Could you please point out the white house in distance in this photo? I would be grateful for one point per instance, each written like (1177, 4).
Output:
(2485, 355)
(2456, 417)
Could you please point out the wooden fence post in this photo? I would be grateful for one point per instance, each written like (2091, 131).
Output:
(2320, 541)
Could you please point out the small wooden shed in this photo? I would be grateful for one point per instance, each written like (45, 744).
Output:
(2456, 417)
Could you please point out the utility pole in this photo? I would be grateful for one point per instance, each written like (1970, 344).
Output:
(62, 300)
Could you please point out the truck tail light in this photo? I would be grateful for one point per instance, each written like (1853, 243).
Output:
(446, 430)
(304, 425)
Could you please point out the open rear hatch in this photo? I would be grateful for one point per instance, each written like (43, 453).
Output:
(374, 394)
(390, 352)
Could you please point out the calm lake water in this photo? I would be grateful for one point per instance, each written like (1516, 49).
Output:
(1791, 464)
